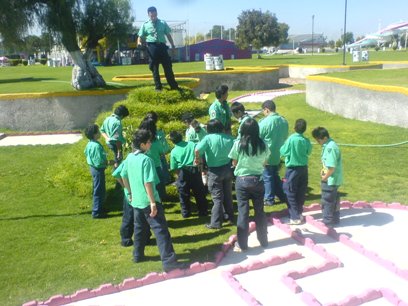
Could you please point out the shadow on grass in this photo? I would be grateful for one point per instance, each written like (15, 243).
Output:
(21, 80)
(46, 216)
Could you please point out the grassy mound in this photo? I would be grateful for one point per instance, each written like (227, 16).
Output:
(71, 172)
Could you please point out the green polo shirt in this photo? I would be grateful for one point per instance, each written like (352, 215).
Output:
(273, 129)
(95, 155)
(248, 164)
(331, 158)
(156, 150)
(192, 135)
(296, 150)
(139, 169)
(161, 136)
(216, 148)
(112, 126)
(116, 175)
(154, 32)
(182, 155)
(241, 121)
(221, 111)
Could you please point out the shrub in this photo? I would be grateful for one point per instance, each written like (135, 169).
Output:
(25, 62)
(377, 48)
(43, 61)
(14, 62)
(71, 172)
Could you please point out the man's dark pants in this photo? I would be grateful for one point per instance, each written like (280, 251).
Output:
(330, 204)
(158, 224)
(273, 184)
(250, 187)
(99, 189)
(295, 187)
(220, 187)
(189, 178)
(158, 54)
(126, 228)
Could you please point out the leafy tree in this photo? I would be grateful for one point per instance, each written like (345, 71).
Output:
(332, 44)
(32, 44)
(215, 32)
(349, 38)
(259, 29)
(89, 20)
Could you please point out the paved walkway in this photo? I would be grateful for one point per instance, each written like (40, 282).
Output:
(53, 139)
(360, 262)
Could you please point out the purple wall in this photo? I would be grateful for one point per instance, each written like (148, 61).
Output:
(215, 47)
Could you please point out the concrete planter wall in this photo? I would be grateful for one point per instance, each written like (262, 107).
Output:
(380, 104)
(239, 78)
(46, 112)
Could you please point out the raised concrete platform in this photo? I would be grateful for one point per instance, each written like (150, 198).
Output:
(355, 100)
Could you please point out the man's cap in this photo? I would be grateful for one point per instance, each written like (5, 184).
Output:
(151, 9)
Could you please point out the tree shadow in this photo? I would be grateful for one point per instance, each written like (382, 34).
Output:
(20, 80)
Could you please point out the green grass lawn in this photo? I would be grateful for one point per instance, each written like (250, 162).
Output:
(39, 78)
(50, 244)
(392, 77)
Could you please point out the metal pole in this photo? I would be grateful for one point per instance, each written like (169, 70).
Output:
(312, 32)
(344, 34)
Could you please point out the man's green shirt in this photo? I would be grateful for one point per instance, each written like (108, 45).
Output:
(112, 126)
(182, 155)
(216, 148)
(139, 169)
(221, 111)
(296, 150)
(331, 158)
(95, 155)
(154, 31)
(273, 129)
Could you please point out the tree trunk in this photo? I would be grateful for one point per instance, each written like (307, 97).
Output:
(84, 74)
(259, 54)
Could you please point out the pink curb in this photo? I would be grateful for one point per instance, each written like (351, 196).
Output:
(57, 300)
(309, 299)
(31, 303)
(130, 283)
(390, 296)
(152, 278)
(370, 295)
(82, 294)
(195, 268)
(105, 289)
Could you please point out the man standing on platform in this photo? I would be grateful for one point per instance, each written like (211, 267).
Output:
(154, 32)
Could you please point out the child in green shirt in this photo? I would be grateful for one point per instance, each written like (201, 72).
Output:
(97, 161)
(296, 151)
(140, 178)
(249, 156)
(331, 176)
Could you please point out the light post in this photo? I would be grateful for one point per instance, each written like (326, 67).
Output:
(312, 32)
(344, 34)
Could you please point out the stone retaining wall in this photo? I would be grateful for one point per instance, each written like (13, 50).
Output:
(55, 112)
(380, 104)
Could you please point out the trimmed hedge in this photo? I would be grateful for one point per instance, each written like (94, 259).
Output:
(71, 172)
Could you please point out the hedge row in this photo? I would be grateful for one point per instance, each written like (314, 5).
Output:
(71, 172)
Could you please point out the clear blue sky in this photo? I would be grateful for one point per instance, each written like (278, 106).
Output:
(363, 16)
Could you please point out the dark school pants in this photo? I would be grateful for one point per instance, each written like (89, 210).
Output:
(189, 179)
(273, 184)
(295, 187)
(330, 203)
(99, 190)
(158, 224)
(158, 54)
(220, 187)
(250, 188)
